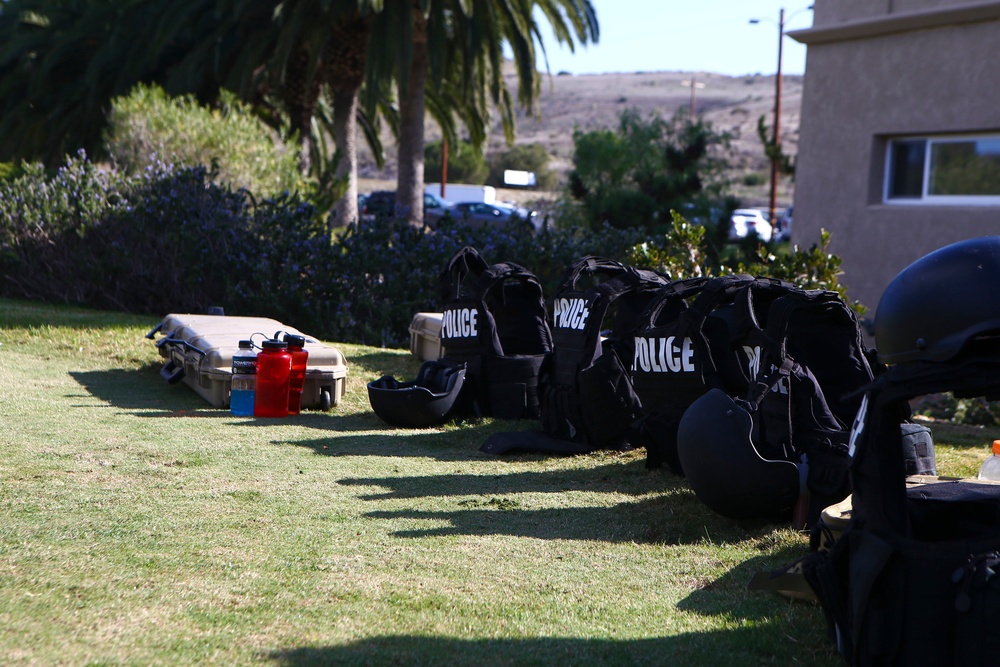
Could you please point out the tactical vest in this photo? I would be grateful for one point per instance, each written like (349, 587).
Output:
(493, 320)
(587, 391)
(912, 580)
(682, 349)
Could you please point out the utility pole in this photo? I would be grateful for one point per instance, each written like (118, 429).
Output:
(776, 155)
(444, 165)
(776, 137)
(693, 84)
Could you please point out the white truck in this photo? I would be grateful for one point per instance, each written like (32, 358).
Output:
(458, 192)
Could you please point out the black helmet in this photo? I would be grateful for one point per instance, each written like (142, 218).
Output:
(425, 401)
(940, 302)
(715, 443)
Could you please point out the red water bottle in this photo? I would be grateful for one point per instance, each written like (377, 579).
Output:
(300, 357)
(274, 371)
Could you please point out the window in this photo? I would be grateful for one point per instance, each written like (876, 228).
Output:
(943, 170)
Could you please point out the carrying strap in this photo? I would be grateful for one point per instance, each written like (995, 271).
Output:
(463, 263)
(592, 266)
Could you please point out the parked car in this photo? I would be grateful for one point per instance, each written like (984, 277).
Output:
(478, 214)
(747, 221)
(435, 208)
(783, 230)
(380, 204)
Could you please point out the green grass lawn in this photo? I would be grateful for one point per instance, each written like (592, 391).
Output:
(140, 526)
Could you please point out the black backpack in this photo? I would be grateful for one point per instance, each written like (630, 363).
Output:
(494, 321)
(811, 342)
(587, 389)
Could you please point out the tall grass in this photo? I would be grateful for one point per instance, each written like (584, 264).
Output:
(143, 527)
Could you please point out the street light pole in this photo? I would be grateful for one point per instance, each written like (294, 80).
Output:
(776, 138)
(776, 155)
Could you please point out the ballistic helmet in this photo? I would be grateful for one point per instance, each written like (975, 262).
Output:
(425, 401)
(717, 450)
(940, 302)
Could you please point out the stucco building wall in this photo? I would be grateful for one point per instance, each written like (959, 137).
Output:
(881, 69)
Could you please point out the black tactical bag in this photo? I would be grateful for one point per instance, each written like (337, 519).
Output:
(913, 579)
(494, 321)
(812, 342)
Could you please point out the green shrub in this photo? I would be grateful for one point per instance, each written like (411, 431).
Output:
(171, 239)
(683, 252)
(974, 411)
(635, 175)
(9, 171)
(147, 126)
(166, 240)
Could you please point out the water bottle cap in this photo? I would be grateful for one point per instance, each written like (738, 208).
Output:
(272, 344)
(295, 340)
(996, 447)
(246, 344)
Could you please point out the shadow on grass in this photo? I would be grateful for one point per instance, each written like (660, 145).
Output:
(602, 478)
(757, 644)
(710, 598)
(670, 518)
(145, 390)
(141, 389)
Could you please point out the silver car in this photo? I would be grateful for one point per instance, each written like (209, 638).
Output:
(479, 214)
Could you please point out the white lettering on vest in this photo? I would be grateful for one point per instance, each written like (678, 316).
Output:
(662, 355)
(570, 313)
(459, 323)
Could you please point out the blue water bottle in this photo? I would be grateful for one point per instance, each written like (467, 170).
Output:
(244, 385)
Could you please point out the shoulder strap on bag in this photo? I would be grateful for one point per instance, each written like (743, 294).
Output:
(465, 262)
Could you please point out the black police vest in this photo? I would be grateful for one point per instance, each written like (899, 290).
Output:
(494, 322)
(587, 392)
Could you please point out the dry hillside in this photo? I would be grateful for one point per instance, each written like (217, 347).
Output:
(594, 101)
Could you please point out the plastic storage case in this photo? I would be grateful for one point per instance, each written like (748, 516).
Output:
(199, 350)
(425, 336)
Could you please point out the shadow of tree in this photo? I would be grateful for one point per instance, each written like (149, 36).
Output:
(754, 644)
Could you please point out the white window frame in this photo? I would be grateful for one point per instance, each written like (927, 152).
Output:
(934, 200)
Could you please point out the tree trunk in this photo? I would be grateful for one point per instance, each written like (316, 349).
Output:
(410, 178)
(345, 134)
(344, 63)
(300, 94)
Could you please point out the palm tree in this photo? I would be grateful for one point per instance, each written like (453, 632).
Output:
(61, 61)
(453, 49)
(344, 58)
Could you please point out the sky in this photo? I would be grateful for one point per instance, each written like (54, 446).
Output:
(688, 36)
